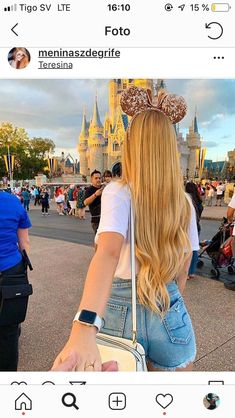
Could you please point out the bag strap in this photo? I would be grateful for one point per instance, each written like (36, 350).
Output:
(133, 275)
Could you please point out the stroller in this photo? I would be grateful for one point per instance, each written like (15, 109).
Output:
(219, 250)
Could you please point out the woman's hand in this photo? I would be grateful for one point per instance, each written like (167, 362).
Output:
(69, 365)
(80, 352)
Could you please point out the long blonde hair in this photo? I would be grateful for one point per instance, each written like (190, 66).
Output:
(151, 167)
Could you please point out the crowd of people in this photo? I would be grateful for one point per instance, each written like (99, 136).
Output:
(70, 200)
(214, 193)
(32, 195)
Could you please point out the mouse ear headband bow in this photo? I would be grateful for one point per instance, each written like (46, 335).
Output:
(135, 100)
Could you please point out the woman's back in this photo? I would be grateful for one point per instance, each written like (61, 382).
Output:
(115, 216)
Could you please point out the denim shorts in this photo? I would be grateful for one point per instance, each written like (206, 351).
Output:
(169, 343)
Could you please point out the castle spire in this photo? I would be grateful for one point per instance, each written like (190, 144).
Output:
(96, 122)
(160, 85)
(84, 130)
(195, 124)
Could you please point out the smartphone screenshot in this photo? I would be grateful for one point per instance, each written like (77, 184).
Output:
(117, 208)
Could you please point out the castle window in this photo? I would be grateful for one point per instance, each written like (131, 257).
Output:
(116, 146)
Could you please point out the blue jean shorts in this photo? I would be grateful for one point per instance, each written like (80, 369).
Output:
(169, 343)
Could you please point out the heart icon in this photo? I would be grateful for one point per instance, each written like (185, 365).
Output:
(164, 400)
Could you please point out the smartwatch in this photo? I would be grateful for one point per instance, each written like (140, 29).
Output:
(89, 318)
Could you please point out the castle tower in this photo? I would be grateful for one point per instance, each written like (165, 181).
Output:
(160, 85)
(194, 143)
(100, 146)
(82, 146)
(144, 83)
(113, 88)
(107, 126)
(96, 141)
(116, 87)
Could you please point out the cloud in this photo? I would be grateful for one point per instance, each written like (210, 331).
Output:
(208, 97)
(53, 108)
(50, 103)
(210, 144)
(226, 137)
(214, 118)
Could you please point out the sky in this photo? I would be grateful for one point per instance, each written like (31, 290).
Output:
(53, 109)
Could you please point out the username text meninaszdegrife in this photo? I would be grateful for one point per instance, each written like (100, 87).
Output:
(69, 54)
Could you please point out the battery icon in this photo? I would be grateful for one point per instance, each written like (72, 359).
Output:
(220, 7)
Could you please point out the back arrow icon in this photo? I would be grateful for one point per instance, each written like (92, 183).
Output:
(209, 25)
(12, 29)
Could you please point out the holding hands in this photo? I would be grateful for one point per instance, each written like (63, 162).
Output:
(75, 353)
(75, 356)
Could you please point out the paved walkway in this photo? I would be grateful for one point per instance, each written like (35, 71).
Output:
(58, 277)
(214, 212)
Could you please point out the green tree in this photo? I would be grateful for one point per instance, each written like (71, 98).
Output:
(18, 141)
(39, 148)
(29, 154)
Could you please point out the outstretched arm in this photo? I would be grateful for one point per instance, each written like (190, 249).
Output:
(82, 340)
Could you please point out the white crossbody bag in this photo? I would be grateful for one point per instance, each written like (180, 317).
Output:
(129, 354)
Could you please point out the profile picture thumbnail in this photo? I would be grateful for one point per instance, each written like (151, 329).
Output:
(19, 58)
(211, 401)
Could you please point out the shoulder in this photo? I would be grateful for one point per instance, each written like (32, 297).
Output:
(189, 198)
(9, 198)
(12, 204)
(89, 190)
(118, 189)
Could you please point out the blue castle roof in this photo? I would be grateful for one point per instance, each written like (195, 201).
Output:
(214, 165)
(125, 121)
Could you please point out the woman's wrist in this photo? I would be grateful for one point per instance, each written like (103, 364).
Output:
(82, 329)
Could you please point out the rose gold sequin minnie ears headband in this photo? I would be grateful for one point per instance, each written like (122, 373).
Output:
(135, 100)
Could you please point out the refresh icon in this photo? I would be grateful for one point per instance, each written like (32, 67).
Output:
(220, 30)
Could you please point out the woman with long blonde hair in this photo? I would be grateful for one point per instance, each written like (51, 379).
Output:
(165, 234)
(20, 58)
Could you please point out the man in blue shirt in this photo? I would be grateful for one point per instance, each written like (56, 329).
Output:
(14, 238)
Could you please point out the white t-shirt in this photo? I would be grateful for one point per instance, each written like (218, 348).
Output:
(59, 198)
(232, 205)
(220, 190)
(115, 213)
(211, 192)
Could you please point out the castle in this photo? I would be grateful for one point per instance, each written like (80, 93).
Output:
(100, 144)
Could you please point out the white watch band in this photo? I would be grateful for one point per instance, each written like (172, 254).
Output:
(96, 323)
